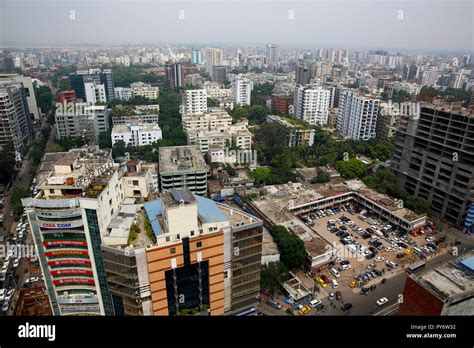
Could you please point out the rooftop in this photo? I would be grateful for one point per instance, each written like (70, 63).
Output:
(143, 127)
(181, 158)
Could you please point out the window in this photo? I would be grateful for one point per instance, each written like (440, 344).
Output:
(173, 251)
(51, 191)
(198, 244)
(167, 239)
(192, 233)
(178, 237)
(135, 182)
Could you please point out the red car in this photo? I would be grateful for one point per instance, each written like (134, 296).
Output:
(326, 279)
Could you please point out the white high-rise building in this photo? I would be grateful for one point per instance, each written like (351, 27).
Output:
(357, 115)
(213, 57)
(241, 90)
(194, 101)
(123, 93)
(312, 104)
(95, 93)
(136, 134)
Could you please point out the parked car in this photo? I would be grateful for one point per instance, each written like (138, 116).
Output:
(273, 304)
(335, 273)
(332, 295)
(346, 307)
(338, 295)
(382, 301)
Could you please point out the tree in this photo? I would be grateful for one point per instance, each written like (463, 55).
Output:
(323, 176)
(16, 194)
(105, 141)
(352, 168)
(272, 275)
(292, 251)
(119, 149)
(7, 162)
(44, 98)
(261, 175)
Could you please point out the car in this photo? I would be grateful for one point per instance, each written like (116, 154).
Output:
(370, 266)
(382, 301)
(335, 273)
(364, 291)
(370, 256)
(304, 310)
(367, 252)
(391, 264)
(408, 252)
(346, 307)
(400, 255)
(6, 306)
(321, 282)
(430, 239)
(325, 278)
(2, 294)
(345, 266)
(9, 294)
(314, 302)
(379, 258)
(387, 249)
(339, 259)
(353, 283)
(32, 280)
(338, 295)
(16, 263)
(273, 304)
(332, 295)
(378, 272)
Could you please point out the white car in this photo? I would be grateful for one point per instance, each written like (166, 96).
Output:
(339, 259)
(16, 263)
(32, 280)
(6, 306)
(379, 258)
(430, 239)
(388, 248)
(9, 294)
(2, 294)
(335, 273)
(346, 266)
(382, 301)
(391, 264)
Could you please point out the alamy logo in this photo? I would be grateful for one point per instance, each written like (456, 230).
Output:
(411, 109)
(37, 331)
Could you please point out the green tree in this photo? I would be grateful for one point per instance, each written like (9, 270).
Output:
(16, 194)
(105, 141)
(272, 275)
(119, 149)
(261, 175)
(44, 98)
(352, 168)
(7, 162)
(292, 250)
(322, 177)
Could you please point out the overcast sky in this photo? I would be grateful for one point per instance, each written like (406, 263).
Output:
(425, 25)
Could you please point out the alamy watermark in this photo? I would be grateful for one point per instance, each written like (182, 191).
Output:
(18, 251)
(411, 109)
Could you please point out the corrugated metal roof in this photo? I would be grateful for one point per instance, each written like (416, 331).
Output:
(469, 263)
(154, 209)
(208, 210)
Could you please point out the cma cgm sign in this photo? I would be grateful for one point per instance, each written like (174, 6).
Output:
(60, 225)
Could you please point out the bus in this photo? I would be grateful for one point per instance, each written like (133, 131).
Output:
(416, 266)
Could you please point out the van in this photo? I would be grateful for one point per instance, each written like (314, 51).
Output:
(273, 304)
(335, 273)
(417, 250)
(334, 283)
(314, 303)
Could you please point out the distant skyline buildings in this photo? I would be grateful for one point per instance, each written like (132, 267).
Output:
(394, 25)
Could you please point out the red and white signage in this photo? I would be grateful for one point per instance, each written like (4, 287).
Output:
(65, 242)
(66, 253)
(71, 271)
(69, 262)
(73, 281)
(62, 225)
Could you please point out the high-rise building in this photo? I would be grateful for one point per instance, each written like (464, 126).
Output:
(104, 77)
(196, 57)
(207, 256)
(29, 92)
(136, 134)
(183, 167)
(281, 103)
(272, 54)
(357, 115)
(213, 57)
(466, 59)
(194, 101)
(173, 76)
(219, 74)
(68, 96)
(241, 91)
(311, 104)
(82, 121)
(79, 192)
(16, 124)
(94, 93)
(433, 159)
(302, 76)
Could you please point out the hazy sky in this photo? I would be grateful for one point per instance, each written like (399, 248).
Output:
(392, 24)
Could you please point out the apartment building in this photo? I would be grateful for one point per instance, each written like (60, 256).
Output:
(145, 90)
(357, 115)
(27, 83)
(136, 134)
(123, 93)
(194, 101)
(281, 103)
(16, 124)
(215, 118)
(97, 76)
(311, 104)
(241, 90)
(140, 180)
(95, 93)
(433, 159)
(207, 256)
(183, 167)
(135, 118)
(82, 121)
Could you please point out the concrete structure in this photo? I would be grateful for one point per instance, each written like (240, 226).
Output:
(272, 54)
(123, 93)
(29, 92)
(173, 76)
(281, 103)
(302, 75)
(145, 90)
(183, 167)
(140, 180)
(97, 76)
(207, 256)
(357, 115)
(95, 93)
(446, 290)
(297, 134)
(82, 121)
(136, 134)
(311, 104)
(79, 192)
(16, 124)
(135, 118)
(194, 101)
(219, 74)
(241, 91)
(433, 159)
